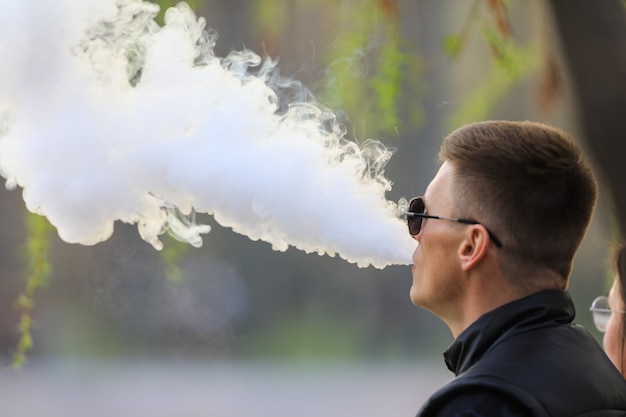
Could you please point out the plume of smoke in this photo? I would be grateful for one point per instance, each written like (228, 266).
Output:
(106, 116)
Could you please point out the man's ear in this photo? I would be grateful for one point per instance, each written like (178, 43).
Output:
(474, 247)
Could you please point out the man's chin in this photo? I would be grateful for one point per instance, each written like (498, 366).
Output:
(414, 296)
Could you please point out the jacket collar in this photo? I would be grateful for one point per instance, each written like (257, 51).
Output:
(542, 309)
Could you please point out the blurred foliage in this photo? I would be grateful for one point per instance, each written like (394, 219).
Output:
(510, 61)
(272, 16)
(172, 254)
(37, 276)
(508, 66)
(166, 4)
(368, 67)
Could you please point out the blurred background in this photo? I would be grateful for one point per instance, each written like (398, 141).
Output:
(235, 328)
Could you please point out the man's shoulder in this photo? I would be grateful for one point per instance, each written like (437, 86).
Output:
(483, 397)
(476, 394)
(482, 402)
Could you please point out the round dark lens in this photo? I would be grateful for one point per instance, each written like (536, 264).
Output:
(416, 205)
(415, 222)
(601, 313)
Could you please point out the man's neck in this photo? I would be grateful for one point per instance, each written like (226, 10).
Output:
(484, 294)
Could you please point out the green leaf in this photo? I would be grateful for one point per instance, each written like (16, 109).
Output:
(452, 45)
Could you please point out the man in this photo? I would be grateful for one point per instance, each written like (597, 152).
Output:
(497, 230)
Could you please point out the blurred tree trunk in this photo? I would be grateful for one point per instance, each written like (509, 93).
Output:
(593, 44)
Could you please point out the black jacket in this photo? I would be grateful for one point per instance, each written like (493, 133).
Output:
(527, 358)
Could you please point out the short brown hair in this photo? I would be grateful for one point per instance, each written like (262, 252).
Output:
(531, 184)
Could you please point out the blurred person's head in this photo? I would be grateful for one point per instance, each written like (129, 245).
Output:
(608, 313)
(524, 194)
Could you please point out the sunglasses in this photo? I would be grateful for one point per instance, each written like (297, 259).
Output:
(601, 312)
(415, 216)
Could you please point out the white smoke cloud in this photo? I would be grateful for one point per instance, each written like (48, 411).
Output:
(106, 116)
